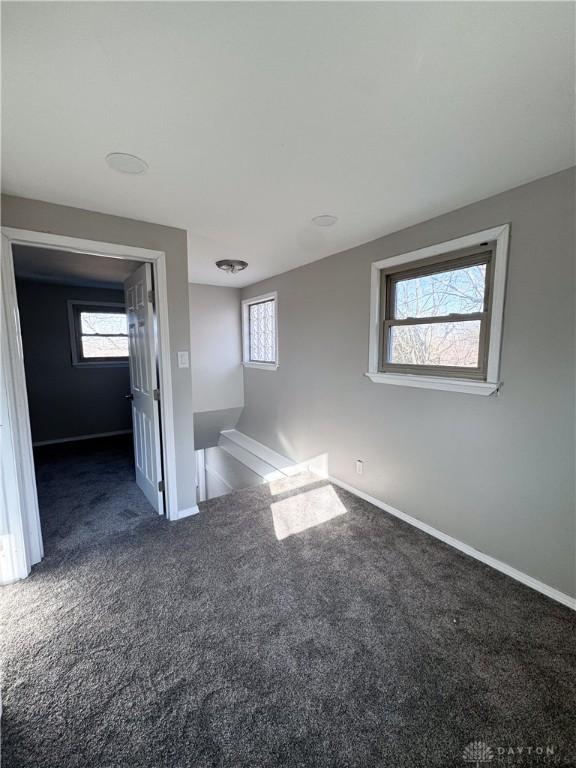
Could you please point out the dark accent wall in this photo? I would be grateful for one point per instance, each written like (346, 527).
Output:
(67, 401)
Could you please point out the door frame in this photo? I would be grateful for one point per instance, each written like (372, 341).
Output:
(23, 447)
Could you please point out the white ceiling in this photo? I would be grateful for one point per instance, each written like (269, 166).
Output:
(255, 117)
(48, 265)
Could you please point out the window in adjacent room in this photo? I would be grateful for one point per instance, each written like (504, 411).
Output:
(99, 333)
(439, 316)
(259, 331)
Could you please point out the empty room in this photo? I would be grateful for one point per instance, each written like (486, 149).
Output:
(288, 384)
(78, 329)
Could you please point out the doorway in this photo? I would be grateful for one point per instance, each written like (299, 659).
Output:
(97, 340)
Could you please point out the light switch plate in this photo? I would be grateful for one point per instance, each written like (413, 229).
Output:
(183, 360)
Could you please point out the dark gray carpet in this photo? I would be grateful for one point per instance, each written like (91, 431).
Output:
(358, 641)
(87, 490)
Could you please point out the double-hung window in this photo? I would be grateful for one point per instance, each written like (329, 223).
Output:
(436, 318)
(260, 331)
(98, 333)
(437, 315)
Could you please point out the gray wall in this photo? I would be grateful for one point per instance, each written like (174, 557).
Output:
(209, 424)
(215, 336)
(74, 222)
(217, 378)
(496, 473)
(67, 401)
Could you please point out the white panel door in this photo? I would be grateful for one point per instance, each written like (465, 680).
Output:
(144, 384)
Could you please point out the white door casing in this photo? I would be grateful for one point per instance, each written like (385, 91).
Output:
(20, 536)
(144, 385)
(19, 516)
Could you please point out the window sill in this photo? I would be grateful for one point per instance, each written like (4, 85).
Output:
(102, 364)
(464, 386)
(262, 366)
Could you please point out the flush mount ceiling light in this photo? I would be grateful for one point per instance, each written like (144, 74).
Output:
(325, 220)
(231, 265)
(123, 163)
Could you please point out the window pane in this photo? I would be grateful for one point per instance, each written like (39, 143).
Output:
(103, 322)
(104, 346)
(456, 291)
(262, 332)
(453, 344)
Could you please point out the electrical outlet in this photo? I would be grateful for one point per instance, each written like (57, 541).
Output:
(359, 467)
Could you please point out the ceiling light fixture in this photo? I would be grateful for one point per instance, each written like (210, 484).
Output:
(325, 220)
(123, 163)
(231, 265)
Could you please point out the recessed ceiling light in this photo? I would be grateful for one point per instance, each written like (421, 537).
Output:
(231, 265)
(325, 220)
(123, 163)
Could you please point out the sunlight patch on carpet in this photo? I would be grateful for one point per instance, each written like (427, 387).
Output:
(305, 510)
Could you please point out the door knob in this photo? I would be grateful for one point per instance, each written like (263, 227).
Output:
(129, 397)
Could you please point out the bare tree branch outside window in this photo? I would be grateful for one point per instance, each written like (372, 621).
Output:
(103, 335)
(435, 318)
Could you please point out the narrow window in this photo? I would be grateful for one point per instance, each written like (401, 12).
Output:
(99, 333)
(436, 317)
(259, 327)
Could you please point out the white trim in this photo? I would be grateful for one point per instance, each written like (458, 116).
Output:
(80, 245)
(374, 337)
(267, 455)
(248, 458)
(499, 234)
(246, 362)
(265, 462)
(182, 513)
(115, 251)
(23, 513)
(288, 467)
(158, 259)
(508, 570)
(76, 438)
(262, 366)
(166, 399)
(465, 386)
(20, 534)
(498, 296)
(200, 474)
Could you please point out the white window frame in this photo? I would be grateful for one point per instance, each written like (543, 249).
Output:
(500, 235)
(74, 334)
(246, 362)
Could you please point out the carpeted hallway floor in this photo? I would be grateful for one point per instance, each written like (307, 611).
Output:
(287, 625)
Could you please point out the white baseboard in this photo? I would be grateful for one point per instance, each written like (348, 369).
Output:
(182, 513)
(82, 437)
(529, 581)
(289, 467)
